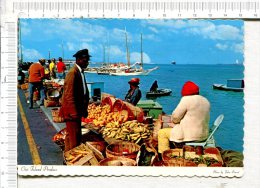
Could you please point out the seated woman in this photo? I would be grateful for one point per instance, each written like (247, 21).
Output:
(134, 94)
(154, 87)
(190, 119)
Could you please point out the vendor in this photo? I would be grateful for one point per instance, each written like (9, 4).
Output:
(134, 94)
(75, 99)
(190, 119)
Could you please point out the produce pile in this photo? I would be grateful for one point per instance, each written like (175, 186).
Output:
(193, 156)
(100, 115)
(115, 124)
(132, 131)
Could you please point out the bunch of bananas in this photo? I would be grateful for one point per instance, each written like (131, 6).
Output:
(132, 131)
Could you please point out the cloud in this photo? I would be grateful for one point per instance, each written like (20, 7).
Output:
(25, 29)
(116, 51)
(205, 29)
(221, 46)
(31, 55)
(70, 46)
(238, 48)
(153, 29)
(136, 57)
(235, 47)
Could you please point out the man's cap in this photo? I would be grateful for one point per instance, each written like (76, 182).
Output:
(42, 60)
(82, 53)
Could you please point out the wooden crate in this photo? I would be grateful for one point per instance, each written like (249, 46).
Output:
(83, 156)
(87, 160)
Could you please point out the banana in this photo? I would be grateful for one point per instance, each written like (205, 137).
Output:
(138, 140)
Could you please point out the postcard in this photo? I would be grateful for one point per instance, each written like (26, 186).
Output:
(133, 96)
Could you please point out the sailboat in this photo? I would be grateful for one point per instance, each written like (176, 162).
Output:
(131, 70)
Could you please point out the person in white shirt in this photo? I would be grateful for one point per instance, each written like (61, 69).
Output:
(190, 119)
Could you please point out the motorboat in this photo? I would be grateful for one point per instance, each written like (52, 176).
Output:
(236, 85)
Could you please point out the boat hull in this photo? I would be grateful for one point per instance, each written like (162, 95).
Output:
(225, 88)
(159, 93)
(134, 73)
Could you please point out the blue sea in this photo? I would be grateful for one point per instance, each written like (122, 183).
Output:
(230, 133)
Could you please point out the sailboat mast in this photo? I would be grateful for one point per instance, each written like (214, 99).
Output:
(127, 50)
(62, 48)
(108, 48)
(141, 50)
(20, 39)
(104, 54)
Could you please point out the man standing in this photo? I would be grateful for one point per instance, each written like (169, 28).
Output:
(36, 76)
(52, 69)
(61, 67)
(75, 99)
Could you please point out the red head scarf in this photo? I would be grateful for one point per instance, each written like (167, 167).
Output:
(190, 88)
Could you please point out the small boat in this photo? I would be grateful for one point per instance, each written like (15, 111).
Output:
(158, 93)
(232, 85)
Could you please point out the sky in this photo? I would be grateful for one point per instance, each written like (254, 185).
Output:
(164, 41)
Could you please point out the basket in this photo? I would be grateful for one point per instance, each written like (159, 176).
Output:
(104, 95)
(55, 115)
(117, 161)
(134, 112)
(36, 95)
(108, 100)
(25, 86)
(118, 105)
(59, 138)
(173, 157)
(51, 103)
(53, 94)
(122, 149)
(99, 145)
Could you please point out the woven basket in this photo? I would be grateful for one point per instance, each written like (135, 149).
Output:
(169, 160)
(51, 103)
(55, 115)
(25, 86)
(108, 100)
(104, 95)
(36, 95)
(122, 149)
(59, 138)
(55, 112)
(117, 161)
(118, 105)
(99, 145)
(53, 94)
(134, 112)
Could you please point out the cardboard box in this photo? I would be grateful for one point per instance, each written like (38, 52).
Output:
(165, 120)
